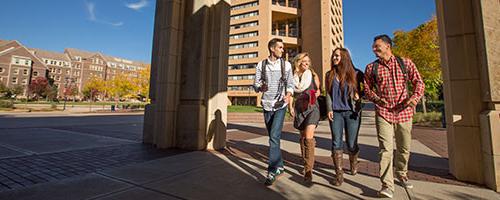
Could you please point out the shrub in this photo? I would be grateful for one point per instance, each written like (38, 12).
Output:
(432, 106)
(6, 104)
(428, 119)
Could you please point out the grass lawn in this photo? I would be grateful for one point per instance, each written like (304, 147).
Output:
(81, 103)
(244, 109)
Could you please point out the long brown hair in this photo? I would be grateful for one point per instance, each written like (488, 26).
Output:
(344, 71)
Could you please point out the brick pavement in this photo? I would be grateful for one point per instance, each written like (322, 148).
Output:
(24, 171)
(433, 138)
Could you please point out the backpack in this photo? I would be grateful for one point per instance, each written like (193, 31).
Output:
(283, 80)
(401, 65)
(263, 71)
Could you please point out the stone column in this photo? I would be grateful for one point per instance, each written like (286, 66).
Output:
(469, 52)
(189, 69)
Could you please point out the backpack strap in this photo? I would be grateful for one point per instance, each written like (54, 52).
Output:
(403, 68)
(283, 69)
(401, 65)
(263, 75)
(375, 74)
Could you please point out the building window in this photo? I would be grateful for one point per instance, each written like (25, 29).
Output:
(59, 71)
(243, 66)
(245, 15)
(241, 77)
(35, 73)
(25, 81)
(243, 45)
(1, 69)
(16, 71)
(240, 88)
(25, 71)
(243, 25)
(245, 5)
(244, 35)
(14, 80)
(243, 56)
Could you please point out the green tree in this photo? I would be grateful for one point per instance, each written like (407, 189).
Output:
(10, 92)
(421, 45)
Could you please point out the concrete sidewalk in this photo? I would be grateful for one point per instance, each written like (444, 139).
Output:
(239, 173)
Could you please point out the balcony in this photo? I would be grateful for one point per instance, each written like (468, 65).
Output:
(287, 30)
(287, 3)
(283, 10)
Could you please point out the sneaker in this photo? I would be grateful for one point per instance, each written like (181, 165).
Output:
(405, 182)
(386, 192)
(272, 176)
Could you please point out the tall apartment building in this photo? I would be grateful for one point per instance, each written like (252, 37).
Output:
(313, 26)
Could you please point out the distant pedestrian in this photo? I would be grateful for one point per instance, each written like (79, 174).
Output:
(386, 82)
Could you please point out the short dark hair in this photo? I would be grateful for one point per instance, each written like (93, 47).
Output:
(385, 38)
(273, 42)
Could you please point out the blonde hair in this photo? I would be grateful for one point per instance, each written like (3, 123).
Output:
(296, 60)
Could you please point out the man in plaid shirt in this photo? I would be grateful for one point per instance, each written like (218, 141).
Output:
(387, 88)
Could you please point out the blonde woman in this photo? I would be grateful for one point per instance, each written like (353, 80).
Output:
(305, 109)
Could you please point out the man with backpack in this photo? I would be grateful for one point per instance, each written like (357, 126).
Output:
(274, 78)
(386, 82)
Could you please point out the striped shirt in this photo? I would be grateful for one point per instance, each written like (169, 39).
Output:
(273, 73)
(392, 88)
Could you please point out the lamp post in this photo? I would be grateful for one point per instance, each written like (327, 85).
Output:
(65, 91)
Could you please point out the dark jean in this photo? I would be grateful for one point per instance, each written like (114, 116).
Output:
(274, 124)
(350, 121)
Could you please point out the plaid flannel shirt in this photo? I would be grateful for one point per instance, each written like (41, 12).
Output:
(391, 86)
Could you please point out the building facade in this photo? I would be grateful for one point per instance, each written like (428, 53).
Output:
(18, 65)
(304, 26)
(73, 68)
(59, 69)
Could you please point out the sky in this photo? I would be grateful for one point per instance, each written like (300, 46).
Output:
(365, 19)
(124, 28)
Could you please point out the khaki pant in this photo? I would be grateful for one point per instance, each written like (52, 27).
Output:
(386, 132)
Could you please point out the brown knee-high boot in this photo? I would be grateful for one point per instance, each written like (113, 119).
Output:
(337, 163)
(353, 160)
(310, 144)
(302, 153)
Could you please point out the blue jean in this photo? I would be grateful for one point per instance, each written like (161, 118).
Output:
(274, 124)
(350, 121)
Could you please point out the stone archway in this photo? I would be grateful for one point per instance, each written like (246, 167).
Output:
(188, 81)
(469, 36)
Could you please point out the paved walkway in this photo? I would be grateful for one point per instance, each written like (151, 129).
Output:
(107, 161)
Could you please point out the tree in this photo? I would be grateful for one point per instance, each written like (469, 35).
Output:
(39, 87)
(71, 90)
(10, 92)
(94, 87)
(421, 45)
(142, 82)
(121, 86)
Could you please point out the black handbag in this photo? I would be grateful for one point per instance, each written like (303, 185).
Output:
(322, 108)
